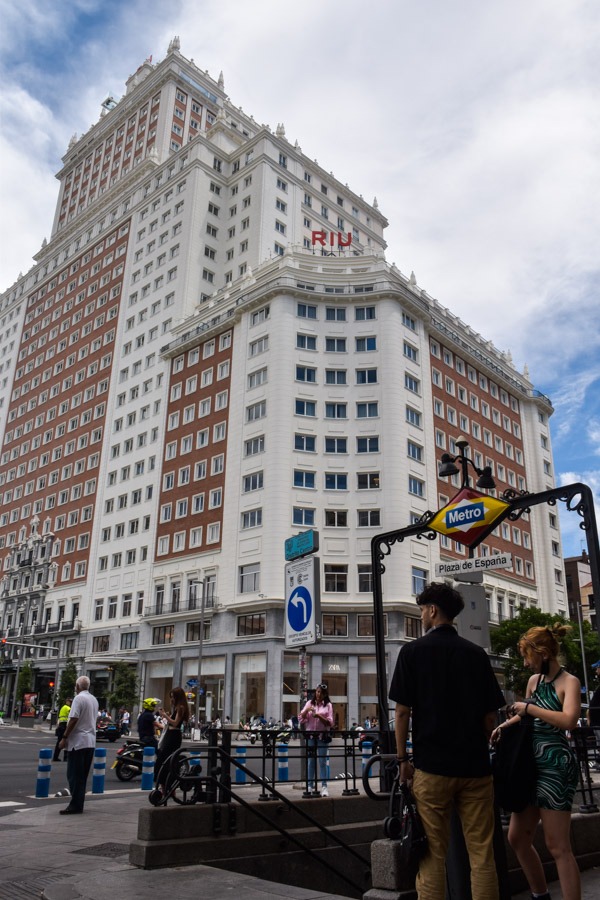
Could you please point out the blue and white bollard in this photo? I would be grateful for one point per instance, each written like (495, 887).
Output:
(194, 760)
(148, 768)
(282, 762)
(240, 755)
(367, 749)
(99, 770)
(42, 785)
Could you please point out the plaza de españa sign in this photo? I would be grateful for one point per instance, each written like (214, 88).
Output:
(468, 515)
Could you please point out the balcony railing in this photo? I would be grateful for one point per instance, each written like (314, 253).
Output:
(192, 604)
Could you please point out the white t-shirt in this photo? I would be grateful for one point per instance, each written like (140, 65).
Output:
(85, 710)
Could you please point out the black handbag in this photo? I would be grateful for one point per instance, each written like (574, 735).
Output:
(514, 768)
(405, 826)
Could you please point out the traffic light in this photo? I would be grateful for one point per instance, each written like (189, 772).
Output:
(51, 685)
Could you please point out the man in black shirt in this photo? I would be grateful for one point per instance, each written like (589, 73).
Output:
(447, 684)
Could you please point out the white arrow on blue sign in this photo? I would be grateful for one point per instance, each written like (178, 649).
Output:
(302, 601)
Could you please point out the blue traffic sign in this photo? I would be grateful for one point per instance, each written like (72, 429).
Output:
(299, 609)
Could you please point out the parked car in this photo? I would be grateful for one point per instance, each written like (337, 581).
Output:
(106, 730)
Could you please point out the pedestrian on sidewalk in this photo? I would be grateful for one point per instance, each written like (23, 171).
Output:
(171, 741)
(448, 686)
(80, 740)
(63, 716)
(553, 700)
(317, 717)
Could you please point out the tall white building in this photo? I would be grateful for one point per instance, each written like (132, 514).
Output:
(209, 355)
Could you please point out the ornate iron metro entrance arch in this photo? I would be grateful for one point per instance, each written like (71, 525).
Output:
(579, 499)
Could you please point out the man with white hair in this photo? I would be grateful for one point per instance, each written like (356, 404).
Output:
(80, 740)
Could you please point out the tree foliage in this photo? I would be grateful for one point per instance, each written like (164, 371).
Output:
(124, 687)
(68, 678)
(505, 638)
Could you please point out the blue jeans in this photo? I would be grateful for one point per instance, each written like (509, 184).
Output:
(321, 753)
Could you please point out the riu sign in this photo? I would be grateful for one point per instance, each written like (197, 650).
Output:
(331, 238)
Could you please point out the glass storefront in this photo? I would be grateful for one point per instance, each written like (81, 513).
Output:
(334, 673)
(291, 686)
(367, 688)
(213, 682)
(249, 672)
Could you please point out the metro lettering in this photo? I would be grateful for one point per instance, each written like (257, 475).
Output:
(464, 515)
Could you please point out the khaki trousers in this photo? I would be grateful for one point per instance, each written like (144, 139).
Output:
(474, 801)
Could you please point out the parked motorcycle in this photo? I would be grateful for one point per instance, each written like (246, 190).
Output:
(129, 760)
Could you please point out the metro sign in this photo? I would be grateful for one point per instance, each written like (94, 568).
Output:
(331, 238)
(468, 516)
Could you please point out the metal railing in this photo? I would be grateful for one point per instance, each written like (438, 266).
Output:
(183, 782)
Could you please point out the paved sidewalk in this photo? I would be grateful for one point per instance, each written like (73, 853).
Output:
(43, 854)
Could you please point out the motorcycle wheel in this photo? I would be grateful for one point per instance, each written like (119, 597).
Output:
(125, 772)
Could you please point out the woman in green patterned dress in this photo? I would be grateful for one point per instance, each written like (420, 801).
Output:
(553, 698)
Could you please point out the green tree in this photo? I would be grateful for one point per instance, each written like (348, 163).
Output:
(24, 683)
(68, 677)
(124, 687)
(505, 638)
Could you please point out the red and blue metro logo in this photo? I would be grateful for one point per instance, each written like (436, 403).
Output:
(468, 515)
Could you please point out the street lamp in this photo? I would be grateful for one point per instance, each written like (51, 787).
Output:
(448, 467)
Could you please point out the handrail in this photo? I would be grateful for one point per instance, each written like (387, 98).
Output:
(219, 780)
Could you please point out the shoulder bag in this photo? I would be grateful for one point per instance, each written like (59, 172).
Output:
(514, 768)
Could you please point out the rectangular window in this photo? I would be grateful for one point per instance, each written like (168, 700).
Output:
(305, 408)
(416, 486)
(367, 444)
(336, 518)
(336, 445)
(366, 376)
(366, 344)
(306, 342)
(303, 516)
(335, 625)
(336, 580)
(249, 578)
(411, 352)
(415, 451)
(255, 623)
(369, 518)
(307, 443)
(336, 481)
(335, 345)
(367, 410)
(419, 579)
(304, 479)
(335, 376)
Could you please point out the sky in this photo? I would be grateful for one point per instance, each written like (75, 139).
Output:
(476, 126)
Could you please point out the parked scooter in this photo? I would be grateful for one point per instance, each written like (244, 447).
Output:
(129, 760)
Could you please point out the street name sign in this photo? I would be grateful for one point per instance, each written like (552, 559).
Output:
(302, 544)
(468, 566)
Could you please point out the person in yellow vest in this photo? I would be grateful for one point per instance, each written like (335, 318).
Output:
(63, 716)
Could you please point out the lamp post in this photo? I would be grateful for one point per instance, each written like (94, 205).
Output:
(200, 649)
(448, 468)
(583, 659)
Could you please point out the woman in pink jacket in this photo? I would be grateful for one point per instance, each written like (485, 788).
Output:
(317, 718)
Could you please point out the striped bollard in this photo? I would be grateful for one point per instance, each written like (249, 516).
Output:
(148, 768)
(99, 770)
(367, 747)
(194, 761)
(42, 785)
(282, 762)
(240, 755)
